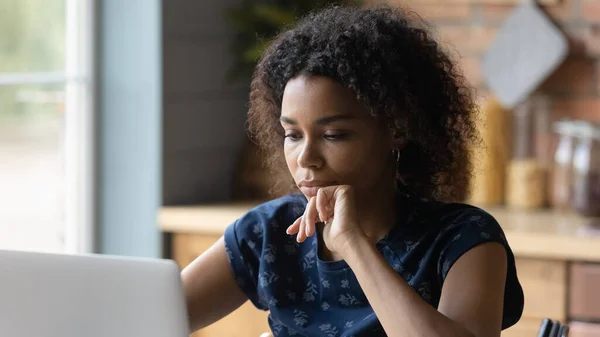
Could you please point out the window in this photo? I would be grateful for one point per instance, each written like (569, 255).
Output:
(46, 137)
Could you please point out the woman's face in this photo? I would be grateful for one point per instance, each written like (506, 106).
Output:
(331, 139)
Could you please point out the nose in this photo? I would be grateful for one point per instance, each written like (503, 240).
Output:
(310, 156)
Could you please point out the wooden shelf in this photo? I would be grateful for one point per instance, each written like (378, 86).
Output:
(205, 219)
(536, 234)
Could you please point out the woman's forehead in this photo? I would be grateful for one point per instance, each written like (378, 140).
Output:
(318, 95)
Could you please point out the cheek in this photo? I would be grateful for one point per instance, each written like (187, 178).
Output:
(291, 157)
(350, 161)
(360, 163)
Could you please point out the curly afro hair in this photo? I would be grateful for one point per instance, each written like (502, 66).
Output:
(387, 56)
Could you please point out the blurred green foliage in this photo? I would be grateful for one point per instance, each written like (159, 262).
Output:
(32, 39)
(257, 22)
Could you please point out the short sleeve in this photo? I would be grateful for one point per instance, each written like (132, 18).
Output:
(253, 243)
(469, 229)
(243, 247)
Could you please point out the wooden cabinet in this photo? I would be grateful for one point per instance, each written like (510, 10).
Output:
(528, 327)
(186, 248)
(545, 287)
(584, 292)
(581, 329)
(246, 320)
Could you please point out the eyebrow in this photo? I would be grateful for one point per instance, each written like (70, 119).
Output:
(320, 121)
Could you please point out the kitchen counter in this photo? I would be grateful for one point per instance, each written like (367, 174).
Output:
(534, 234)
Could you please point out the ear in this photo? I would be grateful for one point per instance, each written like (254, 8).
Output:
(398, 142)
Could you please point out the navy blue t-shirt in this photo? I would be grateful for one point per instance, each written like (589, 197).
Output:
(307, 296)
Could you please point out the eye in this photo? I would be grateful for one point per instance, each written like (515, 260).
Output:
(292, 135)
(336, 135)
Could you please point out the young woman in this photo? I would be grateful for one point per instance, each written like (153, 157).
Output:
(373, 123)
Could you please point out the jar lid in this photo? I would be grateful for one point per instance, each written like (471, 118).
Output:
(595, 131)
(584, 129)
(561, 126)
(567, 127)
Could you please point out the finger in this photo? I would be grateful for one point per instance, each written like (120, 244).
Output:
(312, 216)
(335, 194)
(310, 228)
(323, 206)
(302, 231)
(293, 228)
(328, 196)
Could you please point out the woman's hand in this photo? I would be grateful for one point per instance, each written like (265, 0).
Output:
(335, 207)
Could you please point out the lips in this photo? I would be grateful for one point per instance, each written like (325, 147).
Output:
(310, 187)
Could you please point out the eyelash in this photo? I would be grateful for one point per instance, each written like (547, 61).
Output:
(332, 137)
(337, 136)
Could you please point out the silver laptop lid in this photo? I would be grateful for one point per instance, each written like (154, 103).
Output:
(90, 296)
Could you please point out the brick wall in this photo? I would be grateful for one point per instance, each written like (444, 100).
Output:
(203, 129)
(468, 29)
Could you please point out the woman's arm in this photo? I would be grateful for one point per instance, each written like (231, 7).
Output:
(472, 297)
(210, 288)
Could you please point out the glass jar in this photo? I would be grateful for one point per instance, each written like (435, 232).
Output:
(523, 131)
(586, 169)
(542, 129)
(561, 183)
(526, 180)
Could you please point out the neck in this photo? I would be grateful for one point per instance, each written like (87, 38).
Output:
(377, 215)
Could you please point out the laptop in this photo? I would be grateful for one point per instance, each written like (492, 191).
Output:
(56, 295)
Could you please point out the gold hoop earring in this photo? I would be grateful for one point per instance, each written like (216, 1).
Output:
(396, 154)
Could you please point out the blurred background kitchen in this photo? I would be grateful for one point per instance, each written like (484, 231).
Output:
(122, 131)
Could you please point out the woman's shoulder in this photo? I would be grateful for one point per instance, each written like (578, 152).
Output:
(451, 229)
(468, 226)
(446, 216)
(461, 213)
(464, 227)
(455, 228)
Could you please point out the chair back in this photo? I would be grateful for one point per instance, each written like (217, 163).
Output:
(553, 328)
